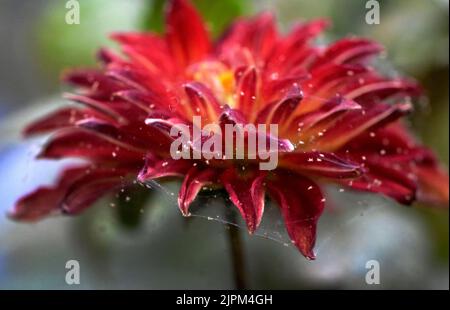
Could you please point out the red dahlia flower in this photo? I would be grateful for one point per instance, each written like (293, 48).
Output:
(339, 121)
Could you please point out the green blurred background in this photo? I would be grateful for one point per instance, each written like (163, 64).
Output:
(130, 248)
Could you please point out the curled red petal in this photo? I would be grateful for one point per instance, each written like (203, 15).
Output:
(231, 116)
(301, 204)
(156, 168)
(46, 200)
(195, 179)
(246, 190)
(279, 112)
(93, 185)
(382, 183)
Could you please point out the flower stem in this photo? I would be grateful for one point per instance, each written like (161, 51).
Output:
(237, 252)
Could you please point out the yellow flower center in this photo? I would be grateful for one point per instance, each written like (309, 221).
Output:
(217, 77)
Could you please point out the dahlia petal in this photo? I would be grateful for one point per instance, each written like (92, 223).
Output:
(146, 50)
(136, 78)
(261, 35)
(433, 184)
(333, 73)
(301, 204)
(246, 191)
(155, 168)
(331, 109)
(37, 204)
(186, 33)
(238, 57)
(353, 123)
(235, 117)
(320, 164)
(294, 52)
(139, 40)
(351, 50)
(153, 66)
(257, 34)
(135, 139)
(290, 46)
(276, 87)
(92, 186)
(147, 102)
(306, 31)
(380, 166)
(46, 200)
(101, 107)
(165, 125)
(203, 100)
(99, 127)
(193, 182)
(247, 92)
(382, 89)
(87, 144)
(99, 85)
(382, 183)
(279, 112)
(107, 56)
(231, 116)
(393, 141)
(62, 118)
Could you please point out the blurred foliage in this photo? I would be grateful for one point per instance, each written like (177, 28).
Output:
(131, 203)
(61, 45)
